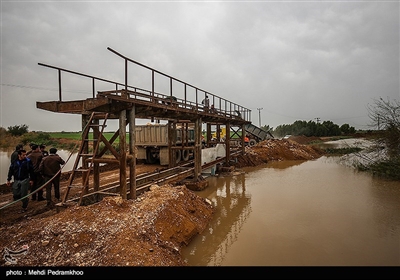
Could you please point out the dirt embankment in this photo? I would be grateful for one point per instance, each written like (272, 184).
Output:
(148, 231)
(277, 150)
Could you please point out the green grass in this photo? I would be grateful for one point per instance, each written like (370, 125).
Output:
(66, 135)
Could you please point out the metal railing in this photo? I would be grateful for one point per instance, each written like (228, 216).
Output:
(221, 105)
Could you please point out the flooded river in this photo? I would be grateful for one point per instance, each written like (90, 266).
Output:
(300, 213)
(295, 213)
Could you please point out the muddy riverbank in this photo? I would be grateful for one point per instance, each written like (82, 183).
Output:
(148, 231)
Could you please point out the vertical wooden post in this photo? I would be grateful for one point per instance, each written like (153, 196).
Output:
(171, 153)
(85, 150)
(132, 153)
(172, 143)
(96, 165)
(197, 149)
(208, 135)
(228, 143)
(186, 133)
(243, 136)
(122, 148)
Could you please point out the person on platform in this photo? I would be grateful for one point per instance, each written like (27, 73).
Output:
(206, 103)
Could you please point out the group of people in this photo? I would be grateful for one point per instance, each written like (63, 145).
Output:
(33, 169)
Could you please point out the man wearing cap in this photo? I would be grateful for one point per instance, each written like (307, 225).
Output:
(14, 155)
(43, 150)
(36, 157)
(49, 167)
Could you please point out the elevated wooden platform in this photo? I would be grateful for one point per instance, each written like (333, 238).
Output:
(127, 102)
(146, 107)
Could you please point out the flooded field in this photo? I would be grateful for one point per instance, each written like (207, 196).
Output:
(300, 213)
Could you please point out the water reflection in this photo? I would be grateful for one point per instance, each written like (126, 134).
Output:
(5, 160)
(284, 164)
(232, 204)
(313, 213)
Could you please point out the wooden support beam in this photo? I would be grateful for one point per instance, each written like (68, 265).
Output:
(171, 143)
(197, 149)
(132, 154)
(96, 166)
(73, 107)
(109, 160)
(85, 150)
(122, 148)
(228, 143)
(208, 135)
(243, 136)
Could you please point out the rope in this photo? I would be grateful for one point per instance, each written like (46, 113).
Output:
(52, 178)
(42, 186)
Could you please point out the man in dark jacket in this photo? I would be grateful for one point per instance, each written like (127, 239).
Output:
(36, 157)
(14, 155)
(22, 171)
(49, 167)
(43, 150)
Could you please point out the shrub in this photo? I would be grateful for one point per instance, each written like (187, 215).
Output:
(37, 138)
(18, 130)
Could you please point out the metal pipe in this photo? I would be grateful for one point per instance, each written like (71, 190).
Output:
(59, 85)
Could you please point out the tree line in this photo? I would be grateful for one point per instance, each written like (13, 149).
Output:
(382, 158)
(311, 128)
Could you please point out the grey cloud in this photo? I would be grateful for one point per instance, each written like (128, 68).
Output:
(296, 60)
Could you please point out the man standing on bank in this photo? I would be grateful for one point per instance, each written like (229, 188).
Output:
(14, 155)
(36, 157)
(22, 171)
(49, 167)
(43, 150)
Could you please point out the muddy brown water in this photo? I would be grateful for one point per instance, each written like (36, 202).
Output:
(296, 213)
(300, 213)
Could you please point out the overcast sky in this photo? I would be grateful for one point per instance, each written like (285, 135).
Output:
(297, 60)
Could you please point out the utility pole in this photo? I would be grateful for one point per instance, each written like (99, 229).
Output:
(259, 116)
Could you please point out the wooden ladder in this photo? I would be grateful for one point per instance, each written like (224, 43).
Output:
(81, 155)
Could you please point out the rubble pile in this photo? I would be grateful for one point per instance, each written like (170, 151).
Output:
(277, 150)
(147, 231)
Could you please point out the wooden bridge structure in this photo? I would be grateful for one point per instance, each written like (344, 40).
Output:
(180, 103)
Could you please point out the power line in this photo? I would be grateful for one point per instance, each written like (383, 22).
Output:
(41, 88)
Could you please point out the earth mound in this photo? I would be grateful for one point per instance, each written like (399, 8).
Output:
(277, 150)
(148, 231)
